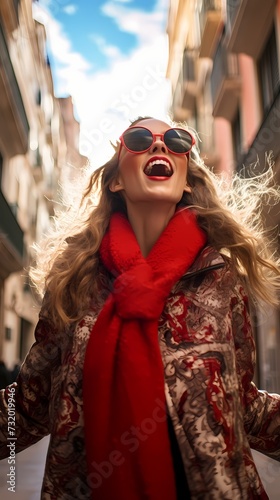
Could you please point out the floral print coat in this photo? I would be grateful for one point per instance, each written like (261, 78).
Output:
(206, 341)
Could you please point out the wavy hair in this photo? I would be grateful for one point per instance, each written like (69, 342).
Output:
(68, 264)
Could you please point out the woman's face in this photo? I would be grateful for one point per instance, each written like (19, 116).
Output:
(138, 178)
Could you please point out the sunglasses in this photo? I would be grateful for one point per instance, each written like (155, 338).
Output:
(139, 139)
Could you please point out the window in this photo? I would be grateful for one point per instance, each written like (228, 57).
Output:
(268, 68)
(237, 139)
(1, 169)
(8, 333)
(26, 329)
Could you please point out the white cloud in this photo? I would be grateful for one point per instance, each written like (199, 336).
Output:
(46, 3)
(70, 9)
(71, 65)
(110, 51)
(106, 101)
(132, 87)
(145, 25)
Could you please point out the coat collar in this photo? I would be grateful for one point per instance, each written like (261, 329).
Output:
(208, 259)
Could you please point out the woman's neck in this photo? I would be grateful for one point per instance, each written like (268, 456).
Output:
(148, 222)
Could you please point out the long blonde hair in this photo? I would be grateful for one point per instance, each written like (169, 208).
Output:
(68, 264)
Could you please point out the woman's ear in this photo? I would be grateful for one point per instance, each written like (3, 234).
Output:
(115, 186)
(187, 189)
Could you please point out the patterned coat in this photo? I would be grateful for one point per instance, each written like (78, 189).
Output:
(207, 346)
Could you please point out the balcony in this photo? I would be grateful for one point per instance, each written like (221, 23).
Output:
(11, 240)
(189, 86)
(249, 23)
(211, 25)
(9, 13)
(186, 89)
(14, 126)
(225, 84)
(37, 163)
(266, 140)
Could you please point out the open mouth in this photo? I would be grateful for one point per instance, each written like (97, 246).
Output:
(158, 168)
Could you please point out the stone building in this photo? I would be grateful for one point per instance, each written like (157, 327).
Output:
(223, 66)
(33, 155)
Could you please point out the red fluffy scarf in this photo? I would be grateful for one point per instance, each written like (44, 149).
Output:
(127, 442)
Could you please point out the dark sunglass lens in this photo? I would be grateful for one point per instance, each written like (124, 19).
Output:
(138, 139)
(178, 141)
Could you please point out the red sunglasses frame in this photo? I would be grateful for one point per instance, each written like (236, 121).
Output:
(154, 136)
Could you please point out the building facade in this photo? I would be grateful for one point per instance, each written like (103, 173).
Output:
(75, 162)
(224, 66)
(33, 158)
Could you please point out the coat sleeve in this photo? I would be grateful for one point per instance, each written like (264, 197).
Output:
(261, 410)
(24, 405)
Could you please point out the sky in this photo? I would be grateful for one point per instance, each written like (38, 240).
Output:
(111, 57)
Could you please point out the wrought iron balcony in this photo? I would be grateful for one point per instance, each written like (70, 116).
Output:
(184, 96)
(37, 163)
(14, 126)
(11, 240)
(9, 13)
(189, 77)
(211, 25)
(266, 140)
(225, 83)
(249, 23)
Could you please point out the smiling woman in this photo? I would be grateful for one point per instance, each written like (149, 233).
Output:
(144, 357)
(152, 173)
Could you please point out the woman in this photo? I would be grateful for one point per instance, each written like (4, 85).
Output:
(144, 356)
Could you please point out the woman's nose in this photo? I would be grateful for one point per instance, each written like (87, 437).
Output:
(158, 145)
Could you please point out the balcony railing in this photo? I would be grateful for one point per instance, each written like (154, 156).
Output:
(14, 126)
(9, 13)
(211, 25)
(179, 113)
(188, 80)
(225, 83)
(188, 67)
(185, 92)
(9, 225)
(266, 140)
(249, 22)
(11, 240)
(37, 162)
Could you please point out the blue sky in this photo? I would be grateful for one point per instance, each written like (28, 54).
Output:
(111, 56)
(95, 24)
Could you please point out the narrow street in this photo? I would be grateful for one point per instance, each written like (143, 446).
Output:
(270, 474)
(29, 473)
(30, 468)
